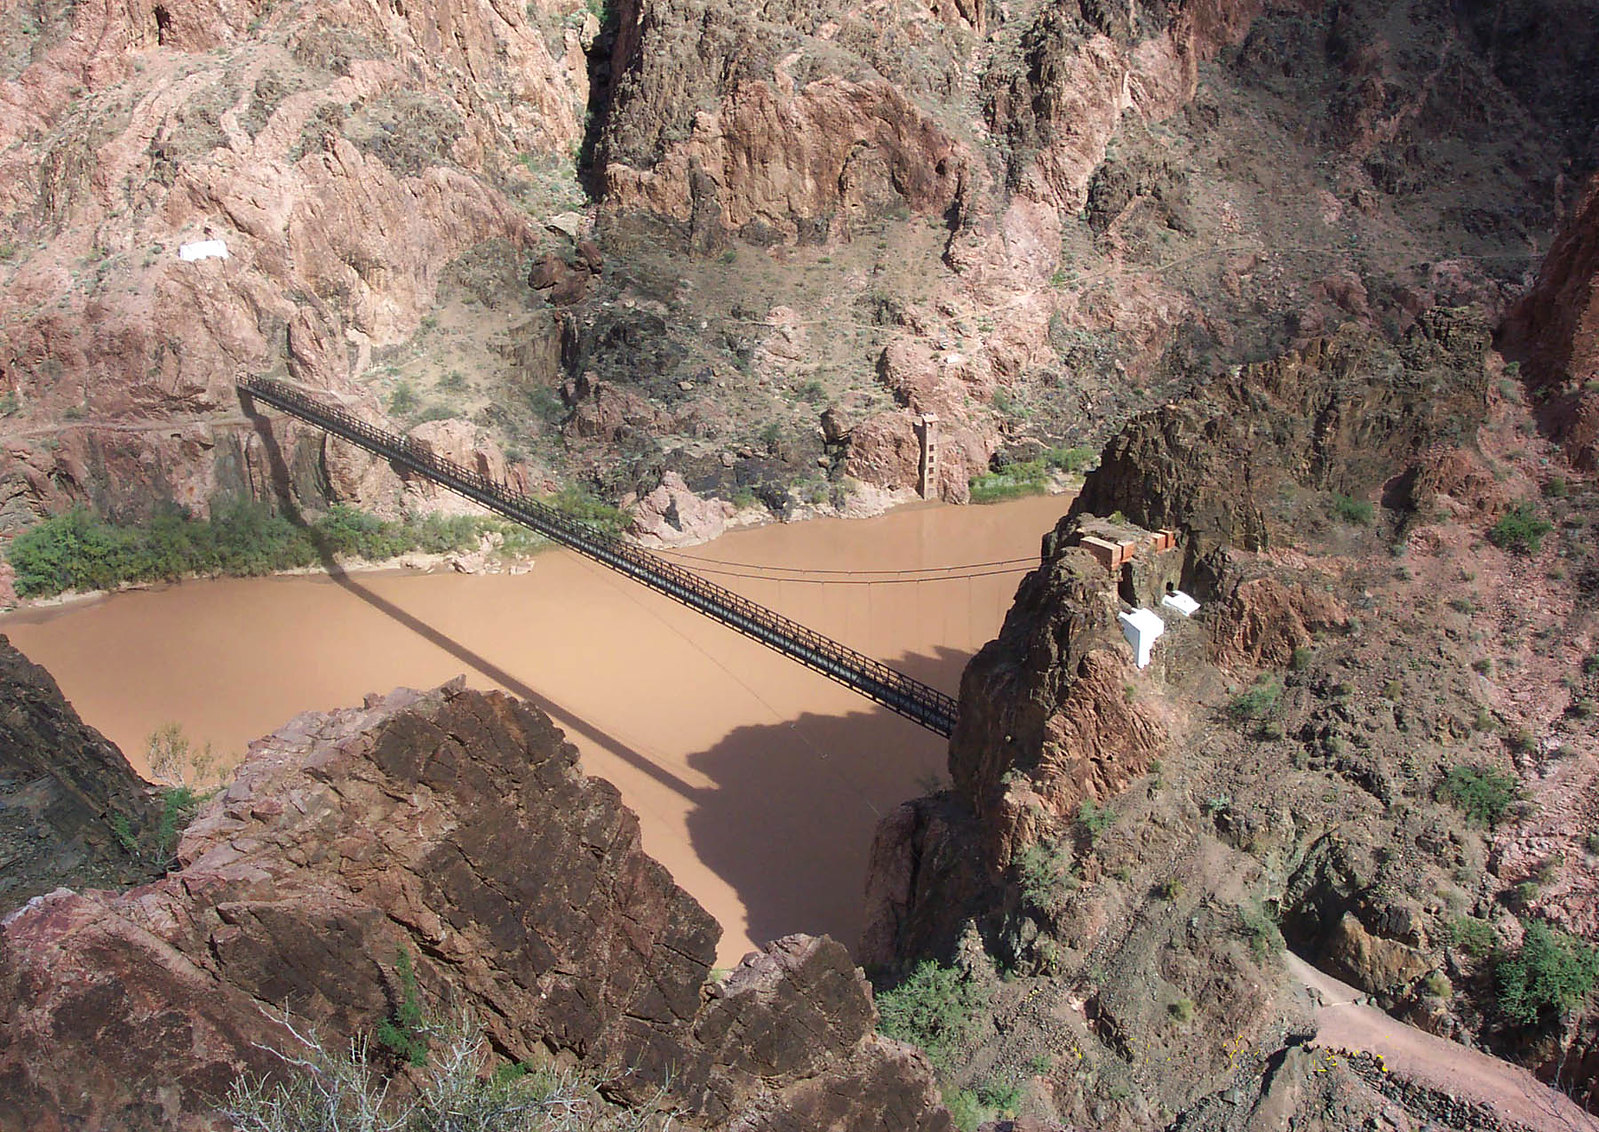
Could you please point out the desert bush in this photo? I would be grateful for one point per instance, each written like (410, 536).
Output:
(1360, 512)
(1094, 820)
(1260, 929)
(405, 1031)
(1519, 530)
(1483, 794)
(934, 1007)
(1043, 870)
(1181, 1011)
(173, 758)
(341, 1090)
(1258, 701)
(1473, 936)
(1547, 977)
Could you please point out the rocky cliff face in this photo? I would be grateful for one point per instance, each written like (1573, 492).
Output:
(1349, 415)
(1279, 772)
(64, 792)
(1556, 328)
(1028, 221)
(454, 827)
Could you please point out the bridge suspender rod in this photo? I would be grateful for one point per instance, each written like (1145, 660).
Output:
(893, 689)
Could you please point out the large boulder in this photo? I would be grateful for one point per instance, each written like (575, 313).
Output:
(454, 828)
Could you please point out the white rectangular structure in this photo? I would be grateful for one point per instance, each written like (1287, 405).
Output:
(203, 249)
(1181, 602)
(1141, 627)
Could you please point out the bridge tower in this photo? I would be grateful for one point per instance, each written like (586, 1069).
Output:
(927, 432)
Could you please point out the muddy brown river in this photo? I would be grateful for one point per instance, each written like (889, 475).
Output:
(757, 782)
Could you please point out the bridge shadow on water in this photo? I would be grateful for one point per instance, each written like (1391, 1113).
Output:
(788, 821)
(278, 469)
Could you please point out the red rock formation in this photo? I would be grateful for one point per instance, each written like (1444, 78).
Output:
(1045, 720)
(456, 827)
(131, 135)
(1556, 328)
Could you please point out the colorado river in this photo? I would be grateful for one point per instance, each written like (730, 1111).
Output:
(757, 782)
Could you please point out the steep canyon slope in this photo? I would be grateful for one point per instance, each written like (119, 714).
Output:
(666, 236)
(1302, 765)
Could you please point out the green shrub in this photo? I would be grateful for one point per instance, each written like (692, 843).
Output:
(402, 400)
(1473, 936)
(1260, 929)
(1349, 510)
(1301, 658)
(1258, 702)
(1519, 530)
(965, 1110)
(1094, 820)
(1484, 795)
(1556, 487)
(1001, 1096)
(1547, 977)
(179, 804)
(405, 1030)
(934, 1008)
(1171, 889)
(1043, 872)
(1182, 1011)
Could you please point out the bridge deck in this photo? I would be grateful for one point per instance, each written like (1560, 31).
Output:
(893, 689)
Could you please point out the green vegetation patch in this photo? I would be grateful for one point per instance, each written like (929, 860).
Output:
(1548, 976)
(1519, 530)
(1029, 477)
(1257, 702)
(935, 1008)
(1347, 509)
(1483, 794)
(77, 550)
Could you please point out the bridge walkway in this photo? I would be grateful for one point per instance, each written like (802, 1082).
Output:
(888, 686)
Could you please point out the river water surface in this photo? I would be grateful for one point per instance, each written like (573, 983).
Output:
(757, 782)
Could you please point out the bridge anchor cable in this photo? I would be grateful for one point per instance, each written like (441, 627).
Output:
(893, 689)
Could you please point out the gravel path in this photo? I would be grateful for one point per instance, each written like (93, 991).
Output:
(1344, 1022)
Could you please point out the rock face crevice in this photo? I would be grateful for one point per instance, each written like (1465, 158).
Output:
(454, 827)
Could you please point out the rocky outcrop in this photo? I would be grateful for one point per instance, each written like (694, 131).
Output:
(65, 792)
(457, 828)
(672, 515)
(1344, 416)
(343, 157)
(1265, 618)
(1046, 722)
(1556, 329)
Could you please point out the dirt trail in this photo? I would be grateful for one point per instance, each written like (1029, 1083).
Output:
(1343, 1021)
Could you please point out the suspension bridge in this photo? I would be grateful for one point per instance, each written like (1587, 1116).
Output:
(873, 679)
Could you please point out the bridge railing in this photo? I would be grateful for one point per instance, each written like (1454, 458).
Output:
(888, 686)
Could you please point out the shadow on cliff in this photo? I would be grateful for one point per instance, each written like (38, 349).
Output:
(789, 823)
